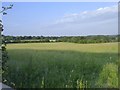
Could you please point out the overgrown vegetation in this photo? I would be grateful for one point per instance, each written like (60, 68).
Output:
(3, 56)
(60, 65)
(108, 76)
(3, 52)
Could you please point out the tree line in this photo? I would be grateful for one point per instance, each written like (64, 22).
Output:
(4, 55)
(73, 39)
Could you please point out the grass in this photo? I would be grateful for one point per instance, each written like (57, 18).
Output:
(58, 65)
(101, 47)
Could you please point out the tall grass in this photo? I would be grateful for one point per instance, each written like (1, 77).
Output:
(108, 76)
(51, 67)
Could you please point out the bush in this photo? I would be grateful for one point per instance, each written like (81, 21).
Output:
(108, 78)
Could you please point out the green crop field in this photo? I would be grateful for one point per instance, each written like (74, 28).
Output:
(62, 65)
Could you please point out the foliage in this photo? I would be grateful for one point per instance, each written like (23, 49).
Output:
(81, 84)
(74, 39)
(108, 76)
(4, 56)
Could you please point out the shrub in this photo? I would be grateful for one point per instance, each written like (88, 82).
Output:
(108, 78)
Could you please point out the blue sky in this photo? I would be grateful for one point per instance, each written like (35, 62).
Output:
(61, 19)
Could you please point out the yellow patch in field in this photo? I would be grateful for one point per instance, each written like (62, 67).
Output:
(99, 47)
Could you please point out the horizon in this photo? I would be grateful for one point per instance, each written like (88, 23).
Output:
(61, 19)
(62, 36)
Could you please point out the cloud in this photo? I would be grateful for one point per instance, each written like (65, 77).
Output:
(102, 21)
(101, 14)
(96, 22)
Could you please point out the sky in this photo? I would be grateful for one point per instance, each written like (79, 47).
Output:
(61, 18)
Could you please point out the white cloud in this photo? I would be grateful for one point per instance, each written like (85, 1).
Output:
(101, 21)
(100, 14)
(97, 22)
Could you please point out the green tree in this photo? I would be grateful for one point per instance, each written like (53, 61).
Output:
(3, 52)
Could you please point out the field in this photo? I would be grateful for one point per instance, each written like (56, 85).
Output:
(62, 65)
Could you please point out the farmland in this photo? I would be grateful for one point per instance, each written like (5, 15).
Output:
(62, 65)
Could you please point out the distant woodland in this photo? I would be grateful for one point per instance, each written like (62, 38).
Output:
(73, 39)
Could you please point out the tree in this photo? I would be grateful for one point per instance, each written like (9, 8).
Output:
(3, 52)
